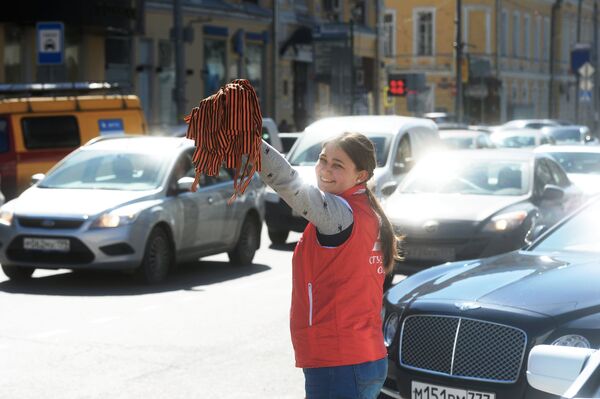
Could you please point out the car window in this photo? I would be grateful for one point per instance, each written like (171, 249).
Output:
(543, 176)
(42, 132)
(4, 140)
(578, 162)
(403, 160)
(579, 233)
(558, 174)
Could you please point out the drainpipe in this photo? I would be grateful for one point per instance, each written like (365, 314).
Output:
(555, 8)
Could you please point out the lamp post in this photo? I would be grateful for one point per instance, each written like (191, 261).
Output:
(458, 44)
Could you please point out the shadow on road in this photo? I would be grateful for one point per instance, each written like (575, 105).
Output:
(188, 276)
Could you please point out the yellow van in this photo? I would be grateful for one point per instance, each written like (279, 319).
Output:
(36, 132)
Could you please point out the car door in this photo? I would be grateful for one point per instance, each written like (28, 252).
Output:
(573, 194)
(550, 210)
(233, 214)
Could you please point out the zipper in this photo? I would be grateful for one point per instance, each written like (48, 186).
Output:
(310, 304)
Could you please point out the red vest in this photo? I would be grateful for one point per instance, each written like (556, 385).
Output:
(337, 293)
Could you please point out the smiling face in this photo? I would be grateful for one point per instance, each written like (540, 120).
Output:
(335, 170)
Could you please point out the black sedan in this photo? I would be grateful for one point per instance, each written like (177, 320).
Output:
(464, 329)
(458, 205)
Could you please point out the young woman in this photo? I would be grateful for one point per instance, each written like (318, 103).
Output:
(339, 266)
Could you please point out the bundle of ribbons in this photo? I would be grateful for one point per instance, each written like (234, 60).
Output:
(226, 128)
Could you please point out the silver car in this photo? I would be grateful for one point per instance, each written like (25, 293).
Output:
(123, 203)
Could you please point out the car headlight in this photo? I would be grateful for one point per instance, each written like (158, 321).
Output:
(6, 217)
(573, 340)
(114, 219)
(506, 221)
(390, 328)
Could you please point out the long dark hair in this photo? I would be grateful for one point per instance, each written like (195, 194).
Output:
(362, 152)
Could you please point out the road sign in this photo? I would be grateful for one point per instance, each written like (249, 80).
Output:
(587, 70)
(579, 56)
(586, 84)
(50, 43)
(585, 96)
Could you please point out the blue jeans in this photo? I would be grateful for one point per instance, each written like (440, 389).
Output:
(359, 381)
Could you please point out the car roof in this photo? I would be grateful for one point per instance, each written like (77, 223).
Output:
(137, 143)
(518, 132)
(461, 133)
(512, 154)
(369, 124)
(581, 148)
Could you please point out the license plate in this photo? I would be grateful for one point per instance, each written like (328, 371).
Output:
(420, 390)
(430, 253)
(46, 244)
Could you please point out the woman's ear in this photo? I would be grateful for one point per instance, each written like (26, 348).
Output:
(362, 177)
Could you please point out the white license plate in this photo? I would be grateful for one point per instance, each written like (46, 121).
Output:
(420, 390)
(430, 253)
(46, 244)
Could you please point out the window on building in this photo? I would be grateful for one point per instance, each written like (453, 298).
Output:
(254, 66)
(526, 36)
(536, 38)
(166, 83)
(215, 65)
(389, 33)
(424, 33)
(546, 41)
(516, 32)
(504, 34)
(118, 59)
(13, 72)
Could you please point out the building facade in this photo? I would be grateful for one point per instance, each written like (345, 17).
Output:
(507, 48)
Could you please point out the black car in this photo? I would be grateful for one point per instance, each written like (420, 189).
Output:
(465, 329)
(468, 204)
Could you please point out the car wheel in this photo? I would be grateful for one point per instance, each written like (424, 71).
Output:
(278, 237)
(247, 244)
(158, 258)
(17, 273)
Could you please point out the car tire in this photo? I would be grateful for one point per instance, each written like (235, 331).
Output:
(278, 237)
(17, 273)
(247, 244)
(158, 258)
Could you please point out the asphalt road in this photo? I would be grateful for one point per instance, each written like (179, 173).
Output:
(211, 331)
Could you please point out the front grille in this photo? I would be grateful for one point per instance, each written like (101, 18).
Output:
(462, 348)
(50, 223)
(78, 253)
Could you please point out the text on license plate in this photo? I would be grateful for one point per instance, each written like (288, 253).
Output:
(46, 244)
(430, 253)
(420, 390)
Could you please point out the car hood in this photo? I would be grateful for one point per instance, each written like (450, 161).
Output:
(72, 203)
(550, 285)
(406, 207)
(589, 184)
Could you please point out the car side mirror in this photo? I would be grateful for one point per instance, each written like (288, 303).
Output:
(184, 184)
(35, 179)
(553, 369)
(388, 188)
(537, 232)
(552, 193)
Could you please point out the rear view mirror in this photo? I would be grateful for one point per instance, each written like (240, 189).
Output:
(388, 188)
(35, 179)
(184, 184)
(552, 193)
(553, 368)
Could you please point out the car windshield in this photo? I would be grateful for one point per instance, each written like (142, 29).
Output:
(458, 142)
(566, 135)
(107, 170)
(514, 141)
(465, 175)
(578, 162)
(308, 149)
(580, 233)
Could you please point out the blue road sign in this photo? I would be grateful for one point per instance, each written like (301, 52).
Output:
(111, 126)
(579, 56)
(50, 43)
(585, 96)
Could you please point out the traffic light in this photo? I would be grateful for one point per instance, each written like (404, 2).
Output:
(398, 86)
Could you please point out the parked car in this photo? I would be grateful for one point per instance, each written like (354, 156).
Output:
(568, 134)
(466, 328)
(581, 162)
(517, 138)
(529, 124)
(468, 204)
(399, 143)
(125, 204)
(568, 371)
(465, 139)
